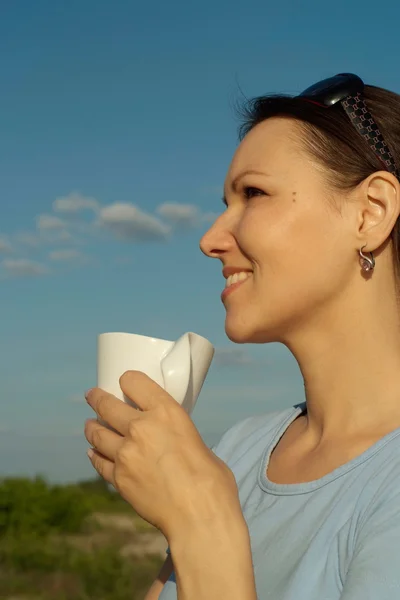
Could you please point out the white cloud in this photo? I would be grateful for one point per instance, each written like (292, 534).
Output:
(45, 235)
(21, 267)
(27, 239)
(64, 236)
(180, 215)
(65, 254)
(128, 222)
(51, 229)
(228, 357)
(5, 246)
(185, 216)
(74, 203)
(49, 222)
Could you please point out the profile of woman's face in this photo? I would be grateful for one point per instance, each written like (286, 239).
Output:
(280, 224)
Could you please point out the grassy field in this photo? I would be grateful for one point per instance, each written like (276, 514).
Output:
(73, 542)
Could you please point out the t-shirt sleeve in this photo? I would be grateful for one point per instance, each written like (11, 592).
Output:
(374, 570)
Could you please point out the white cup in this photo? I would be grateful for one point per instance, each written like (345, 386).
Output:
(179, 367)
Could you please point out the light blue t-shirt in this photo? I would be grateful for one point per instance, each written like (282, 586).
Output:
(337, 537)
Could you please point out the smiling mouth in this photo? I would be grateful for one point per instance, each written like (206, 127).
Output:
(236, 277)
(234, 281)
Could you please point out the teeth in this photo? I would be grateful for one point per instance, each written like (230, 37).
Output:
(237, 277)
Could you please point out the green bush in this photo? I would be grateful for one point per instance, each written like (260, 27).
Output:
(31, 553)
(34, 566)
(33, 506)
(38, 557)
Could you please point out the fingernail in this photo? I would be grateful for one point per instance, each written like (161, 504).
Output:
(90, 453)
(87, 393)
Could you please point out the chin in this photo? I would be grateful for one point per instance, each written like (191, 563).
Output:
(247, 333)
(240, 333)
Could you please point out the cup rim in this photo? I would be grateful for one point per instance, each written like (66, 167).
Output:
(151, 337)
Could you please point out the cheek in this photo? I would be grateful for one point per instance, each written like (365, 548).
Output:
(291, 244)
(273, 233)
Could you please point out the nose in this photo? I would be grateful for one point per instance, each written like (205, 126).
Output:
(218, 239)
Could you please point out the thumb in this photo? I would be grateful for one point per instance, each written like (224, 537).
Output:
(143, 390)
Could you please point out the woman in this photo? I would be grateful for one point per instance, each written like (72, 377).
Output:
(302, 503)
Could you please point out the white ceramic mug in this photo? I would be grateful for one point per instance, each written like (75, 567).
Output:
(179, 367)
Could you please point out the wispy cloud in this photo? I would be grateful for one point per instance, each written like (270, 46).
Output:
(27, 239)
(128, 222)
(21, 267)
(46, 222)
(184, 216)
(63, 229)
(5, 246)
(232, 357)
(66, 254)
(180, 215)
(44, 236)
(75, 203)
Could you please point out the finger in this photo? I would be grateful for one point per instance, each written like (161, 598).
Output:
(105, 441)
(103, 466)
(111, 410)
(143, 390)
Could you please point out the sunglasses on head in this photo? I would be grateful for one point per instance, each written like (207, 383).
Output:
(347, 89)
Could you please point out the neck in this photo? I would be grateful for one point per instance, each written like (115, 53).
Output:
(350, 362)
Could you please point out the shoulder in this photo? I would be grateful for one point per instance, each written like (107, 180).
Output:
(382, 472)
(248, 433)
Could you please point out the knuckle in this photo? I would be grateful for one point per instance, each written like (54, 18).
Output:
(132, 427)
(122, 477)
(97, 437)
(123, 454)
(164, 411)
(98, 465)
(102, 405)
(119, 482)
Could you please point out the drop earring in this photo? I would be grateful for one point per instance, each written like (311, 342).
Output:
(367, 262)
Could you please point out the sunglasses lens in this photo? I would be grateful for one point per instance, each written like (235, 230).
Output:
(347, 89)
(330, 91)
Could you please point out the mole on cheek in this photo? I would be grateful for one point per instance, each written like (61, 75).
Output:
(294, 194)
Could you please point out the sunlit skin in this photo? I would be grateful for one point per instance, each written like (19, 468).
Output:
(307, 290)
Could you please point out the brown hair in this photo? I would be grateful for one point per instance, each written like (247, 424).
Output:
(333, 141)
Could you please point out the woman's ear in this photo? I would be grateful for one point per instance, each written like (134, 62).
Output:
(379, 208)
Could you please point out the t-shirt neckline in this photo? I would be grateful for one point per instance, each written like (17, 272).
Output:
(288, 489)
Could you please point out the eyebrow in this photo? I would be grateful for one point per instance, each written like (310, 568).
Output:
(235, 182)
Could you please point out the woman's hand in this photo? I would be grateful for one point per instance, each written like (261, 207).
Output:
(156, 458)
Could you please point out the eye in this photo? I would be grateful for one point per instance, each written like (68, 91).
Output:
(250, 192)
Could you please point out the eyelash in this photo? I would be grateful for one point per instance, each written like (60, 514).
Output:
(247, 192)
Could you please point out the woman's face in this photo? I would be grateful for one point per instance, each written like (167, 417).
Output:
(280, 226)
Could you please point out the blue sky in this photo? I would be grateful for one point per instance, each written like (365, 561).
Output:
(117, 127)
